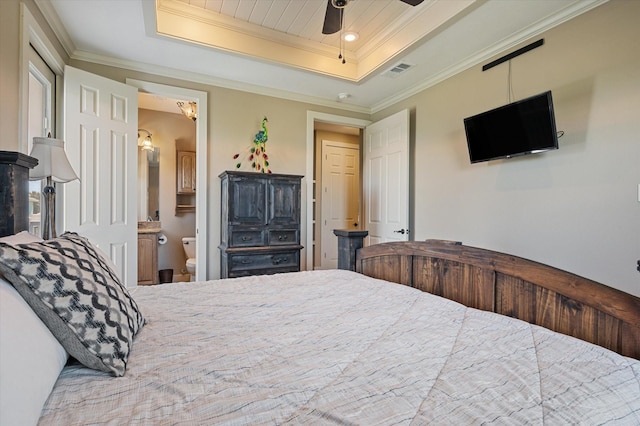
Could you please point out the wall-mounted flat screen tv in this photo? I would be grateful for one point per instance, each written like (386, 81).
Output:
(523, 127)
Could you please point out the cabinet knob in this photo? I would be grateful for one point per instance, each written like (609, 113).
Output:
(246, 238)
(283, 237)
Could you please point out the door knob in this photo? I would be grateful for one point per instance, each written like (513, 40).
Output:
(402, 231)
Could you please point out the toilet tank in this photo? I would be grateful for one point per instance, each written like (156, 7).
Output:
(189, 244)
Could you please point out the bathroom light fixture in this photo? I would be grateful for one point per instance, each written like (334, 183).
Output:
(53, 165)
(146, 143)
(189, 109)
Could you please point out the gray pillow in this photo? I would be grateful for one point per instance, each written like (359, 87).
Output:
(71, 287)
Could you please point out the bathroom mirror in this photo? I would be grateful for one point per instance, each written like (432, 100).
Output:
(149, 184)
(153, 187)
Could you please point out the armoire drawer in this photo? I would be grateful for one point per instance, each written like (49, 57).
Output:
(247, 238)
(281, 237)
(283, 261)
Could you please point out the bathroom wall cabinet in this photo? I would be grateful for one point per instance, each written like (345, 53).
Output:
(186, 181)
(260, 226)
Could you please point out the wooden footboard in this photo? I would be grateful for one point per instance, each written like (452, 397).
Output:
(512, 286)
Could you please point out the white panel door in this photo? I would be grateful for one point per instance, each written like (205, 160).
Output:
(100, 125)
(340, 182)
(386, 179)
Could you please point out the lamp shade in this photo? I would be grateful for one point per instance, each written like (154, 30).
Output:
(52, 161)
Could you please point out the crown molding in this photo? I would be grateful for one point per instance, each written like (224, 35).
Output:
(52, 18)
(213, 81)
(568, 13)
(572, 10)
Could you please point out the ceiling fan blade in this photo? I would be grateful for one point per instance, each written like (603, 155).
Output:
(412, 2)
(332, 19)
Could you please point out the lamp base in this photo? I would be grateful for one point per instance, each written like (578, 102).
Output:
(48, 222)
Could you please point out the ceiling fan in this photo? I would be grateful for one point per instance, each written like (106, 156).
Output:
(333, 16)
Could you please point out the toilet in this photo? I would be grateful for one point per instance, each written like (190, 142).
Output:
(189, 245)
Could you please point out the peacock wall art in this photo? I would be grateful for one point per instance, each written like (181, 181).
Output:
(256, 153)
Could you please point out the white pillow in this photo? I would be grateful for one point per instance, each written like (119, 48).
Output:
(31, 358)
(23, 237)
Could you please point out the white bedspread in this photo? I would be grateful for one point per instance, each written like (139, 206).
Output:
(335, 347)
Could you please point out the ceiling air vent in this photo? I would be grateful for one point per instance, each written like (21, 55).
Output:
(397, 69)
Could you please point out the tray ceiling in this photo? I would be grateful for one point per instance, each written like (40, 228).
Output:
(276, 47)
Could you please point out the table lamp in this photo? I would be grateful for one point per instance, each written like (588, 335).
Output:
(53, 165)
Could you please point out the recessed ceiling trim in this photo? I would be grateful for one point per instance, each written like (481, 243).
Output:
(180, 21)
(218, 20)
(199, 78)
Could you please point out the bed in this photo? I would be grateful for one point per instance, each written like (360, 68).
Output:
(389, 343)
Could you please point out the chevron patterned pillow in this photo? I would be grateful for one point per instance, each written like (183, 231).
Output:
(71, 287)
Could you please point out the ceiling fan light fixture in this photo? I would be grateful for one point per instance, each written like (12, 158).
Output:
(350, 36)
(339, 4)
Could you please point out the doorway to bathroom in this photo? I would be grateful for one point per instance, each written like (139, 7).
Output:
(166, 152)
(172, 159)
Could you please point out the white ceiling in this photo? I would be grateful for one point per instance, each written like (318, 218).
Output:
(158, 103)
(247, 44)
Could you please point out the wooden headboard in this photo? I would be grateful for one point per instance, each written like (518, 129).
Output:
(512, 286)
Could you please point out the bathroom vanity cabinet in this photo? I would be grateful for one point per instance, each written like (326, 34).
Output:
(148, 252)
(260, 226)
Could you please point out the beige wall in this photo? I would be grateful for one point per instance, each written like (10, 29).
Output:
(171, 132)
(9, 71)
(576, 208)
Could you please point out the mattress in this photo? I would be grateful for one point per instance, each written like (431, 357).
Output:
(336, 347)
